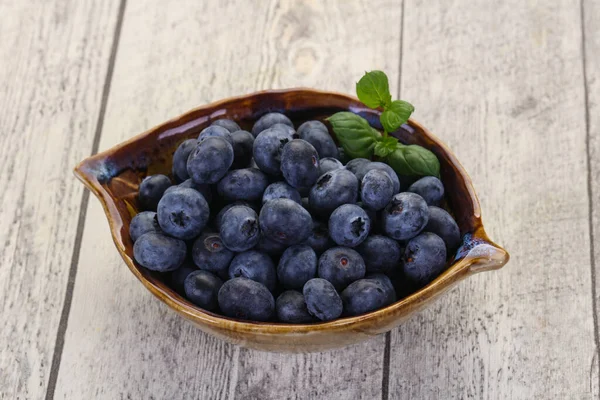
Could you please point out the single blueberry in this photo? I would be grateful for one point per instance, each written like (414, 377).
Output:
(243, 143)
(285, 221)
(329, 164)
(310, 125)
(341, 266)
(333, 189)
(281, 190)
(319, 239)
(143, 222)
(210, 254)
(204, 189)
(270, 246)
(380, 253)
(177, 277)
(245, 299)
(349, 225)
(202, 289)
(228, 124)
(405, 216)
(255, 265)
(322, 300)
(267, 150)
(240, 228)
(243, 184)
(159, 252)
(183, 213)
(219, 217)
(363, 296)
(210, 160)
(300, 163)
(376, 189)
(151, 191)
(321, 140)
(430, 188)
(290, 130)
(424, 258)
(215, 131)
(355, 164)
(379, 166)
(387, 285)
(297, 265)
(268, 120)
(442, 224)
(180, 158)
(291, 308)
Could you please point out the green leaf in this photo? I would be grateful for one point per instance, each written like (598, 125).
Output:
(385, 146)
(390, 121)
(354, 133)
(414, 160)
(373, 89)
(402, 108)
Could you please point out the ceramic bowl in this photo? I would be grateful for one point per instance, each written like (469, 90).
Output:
(114, 175)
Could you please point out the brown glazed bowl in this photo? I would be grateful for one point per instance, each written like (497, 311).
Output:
(114, 175)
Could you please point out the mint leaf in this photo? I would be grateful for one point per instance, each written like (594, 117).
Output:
(402, 108)
(385, 146)
(354, 133)
(414, 160)
(373, 89)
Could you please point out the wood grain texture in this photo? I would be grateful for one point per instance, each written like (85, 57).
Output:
(170, 59)
(54, 60)
(502, 84)
(591, 35)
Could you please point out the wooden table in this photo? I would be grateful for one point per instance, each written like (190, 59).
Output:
(512, 86)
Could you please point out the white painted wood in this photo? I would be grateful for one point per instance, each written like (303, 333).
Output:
(54, 56)
(121, 342)
(502, 84)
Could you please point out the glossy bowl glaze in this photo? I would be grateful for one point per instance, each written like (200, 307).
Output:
(114, 175)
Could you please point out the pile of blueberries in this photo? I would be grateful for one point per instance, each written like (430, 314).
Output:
(274, 213)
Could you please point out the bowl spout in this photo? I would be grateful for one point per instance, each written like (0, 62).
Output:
(480, 253)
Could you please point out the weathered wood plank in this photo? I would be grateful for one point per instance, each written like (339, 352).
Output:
(120, 341)
(54, 60)
(502, 84)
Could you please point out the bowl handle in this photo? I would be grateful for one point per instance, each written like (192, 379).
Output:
(481, 253)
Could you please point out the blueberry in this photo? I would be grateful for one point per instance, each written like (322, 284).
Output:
(285, 221)
(268, 120)
(322, 300)
(210, 254)
(329, 164)
(349, 225)
(204, 189)
(387, 285)
(373, 216)
(270, 246)
(424, 258)
(319, 239)
(210, 160)
(364, 168)
(376, 189)
(297, 265)
(183, 213)
(405, 216)
(333, 189)
(254, 265)
(228, 124)
(215, 131)
(180, 158)
(321, 140)
(355, 164)
(159, 252)
(380, 253)
(363, 296)
(239, 228)
(202, 289)
(245, 299)
(430, 189)
(300, 163)
(290, 130)
(151, 191)
(267, 150)
(281, 190)
(219, 217)
(291, 308)
(310, 125)
(177, 277)
(143, 222)
(442, 224)
(341, 266)
(243, 184)
(243, 142)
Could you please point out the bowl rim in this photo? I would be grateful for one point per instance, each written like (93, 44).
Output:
(473, 262)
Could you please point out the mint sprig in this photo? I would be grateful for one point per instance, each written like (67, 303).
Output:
(359, 139)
